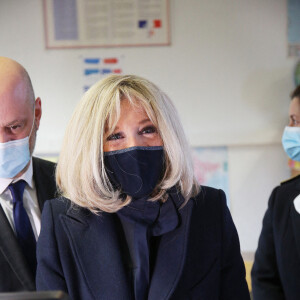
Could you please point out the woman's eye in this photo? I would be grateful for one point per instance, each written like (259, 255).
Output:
(148, 129)
(114, 136)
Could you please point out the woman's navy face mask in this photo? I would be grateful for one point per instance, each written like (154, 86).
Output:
(133, 152)
(135, 171)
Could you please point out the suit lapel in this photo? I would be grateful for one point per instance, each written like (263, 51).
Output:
(95, 240)
(295, 216)
(10, 249)
(171, 258)
(38, 184)
(44, 180)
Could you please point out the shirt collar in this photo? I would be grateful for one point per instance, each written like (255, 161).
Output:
(27, 176)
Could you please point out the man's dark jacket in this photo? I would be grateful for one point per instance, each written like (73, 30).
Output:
(15, 274)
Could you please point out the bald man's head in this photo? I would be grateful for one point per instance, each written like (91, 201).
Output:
(20, 112)
(13, 75)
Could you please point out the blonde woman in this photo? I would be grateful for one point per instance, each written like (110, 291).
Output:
(132, 222)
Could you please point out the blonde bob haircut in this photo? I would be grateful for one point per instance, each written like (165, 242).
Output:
(80, 173)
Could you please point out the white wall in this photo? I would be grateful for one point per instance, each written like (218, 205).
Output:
(253, 172)
(227, 71)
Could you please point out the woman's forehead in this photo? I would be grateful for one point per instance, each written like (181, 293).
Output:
(123, 107)
(132, 104)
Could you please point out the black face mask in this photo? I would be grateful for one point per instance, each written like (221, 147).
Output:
(135, 171)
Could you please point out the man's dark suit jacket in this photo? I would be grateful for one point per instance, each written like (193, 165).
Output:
(276, 269)
(15, 274)
(86, 255)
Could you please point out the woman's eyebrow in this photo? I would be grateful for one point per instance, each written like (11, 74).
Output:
(144, 121)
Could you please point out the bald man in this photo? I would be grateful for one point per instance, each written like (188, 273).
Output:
(26, 182)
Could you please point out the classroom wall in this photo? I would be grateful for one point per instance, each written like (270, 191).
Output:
(226, 69)
(253, 172)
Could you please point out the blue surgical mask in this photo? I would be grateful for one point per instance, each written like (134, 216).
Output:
(291, 142)
(14, 156)
(135, 171)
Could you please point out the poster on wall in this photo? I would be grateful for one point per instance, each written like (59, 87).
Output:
(106, 23)
(211, 167)
(294, 27)
(96, 68)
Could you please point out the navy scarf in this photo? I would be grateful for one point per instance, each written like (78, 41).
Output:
(142, 221)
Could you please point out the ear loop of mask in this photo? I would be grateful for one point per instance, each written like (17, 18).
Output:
(33, 121)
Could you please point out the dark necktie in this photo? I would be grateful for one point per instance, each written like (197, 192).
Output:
(23, 227)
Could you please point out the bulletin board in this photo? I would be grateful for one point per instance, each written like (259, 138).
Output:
(293, 11)
(102, 23)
